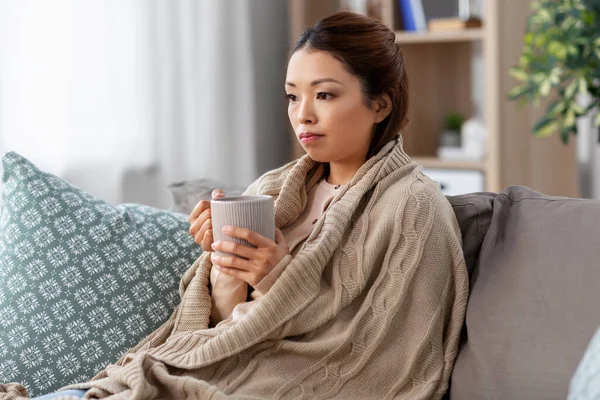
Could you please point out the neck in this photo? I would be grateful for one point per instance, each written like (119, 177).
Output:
(341, 173)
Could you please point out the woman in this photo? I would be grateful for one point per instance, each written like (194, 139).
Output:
(362, 294)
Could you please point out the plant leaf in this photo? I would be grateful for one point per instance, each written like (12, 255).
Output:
(517, 92)
(545, 127)
(571, 88)
(583, 86)
(545, 88)
(558, 50)
(518, 73)
(556, 108)
(570, 117)
(565, 133)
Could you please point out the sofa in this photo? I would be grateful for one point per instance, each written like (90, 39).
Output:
(533, 263)
(534, 268)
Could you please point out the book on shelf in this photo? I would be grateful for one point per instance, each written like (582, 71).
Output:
(446, 24)
(413, 17)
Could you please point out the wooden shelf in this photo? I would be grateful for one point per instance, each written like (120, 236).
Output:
(466, 35)
(436, 163)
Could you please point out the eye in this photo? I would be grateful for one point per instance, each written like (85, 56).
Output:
(290, 97)
(324, 96)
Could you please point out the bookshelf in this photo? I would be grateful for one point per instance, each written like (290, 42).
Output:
(443, 79)
(439, 37)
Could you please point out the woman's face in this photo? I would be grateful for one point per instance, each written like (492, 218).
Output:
(326, 100)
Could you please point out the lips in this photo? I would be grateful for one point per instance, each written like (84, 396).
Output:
(307, 135)
(308, 138)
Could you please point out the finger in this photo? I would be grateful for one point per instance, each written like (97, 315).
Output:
(200, 207)
(246, 234)
(207, 240)
(234, 248)
(198, 237)
(200, 221)
(231, 262)
(205, 226)
(217, 194)
(237, 273)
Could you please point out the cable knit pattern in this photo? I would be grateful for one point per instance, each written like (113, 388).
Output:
(371, 307)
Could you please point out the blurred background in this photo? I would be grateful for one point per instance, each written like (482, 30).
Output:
(124, 97)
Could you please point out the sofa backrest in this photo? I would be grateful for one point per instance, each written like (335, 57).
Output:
(535, 293)
(474, 215)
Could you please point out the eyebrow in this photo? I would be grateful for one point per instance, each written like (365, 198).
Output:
(317, 82)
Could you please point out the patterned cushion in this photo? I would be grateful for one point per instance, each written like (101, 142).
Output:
(81, 281)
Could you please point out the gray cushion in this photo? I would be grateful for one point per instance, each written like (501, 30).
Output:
(186, 194)
(534, 299)
(474, 215)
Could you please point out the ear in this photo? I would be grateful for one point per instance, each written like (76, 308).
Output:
(383, 108)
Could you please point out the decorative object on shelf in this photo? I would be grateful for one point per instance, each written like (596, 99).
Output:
(466, 10)
(472, 143)
(450, 137)
(443, 15)
(561, 52)
(413, 17)
(473, 138)
(371, 8)
(561, 58)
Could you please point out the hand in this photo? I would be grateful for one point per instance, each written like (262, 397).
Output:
(260, 261)
(200, 218)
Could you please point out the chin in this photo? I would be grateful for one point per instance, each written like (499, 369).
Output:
(317, 156)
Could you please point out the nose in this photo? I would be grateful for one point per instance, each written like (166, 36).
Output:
(306, 113)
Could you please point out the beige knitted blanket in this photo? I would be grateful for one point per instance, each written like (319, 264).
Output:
(370, 308)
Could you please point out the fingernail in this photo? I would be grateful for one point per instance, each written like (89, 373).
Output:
(227, 228)
(214, 245)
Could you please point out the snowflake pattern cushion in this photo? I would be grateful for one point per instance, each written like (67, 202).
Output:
(81, 281)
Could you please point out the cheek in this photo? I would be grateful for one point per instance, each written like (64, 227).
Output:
(354, 119)
(292, 115)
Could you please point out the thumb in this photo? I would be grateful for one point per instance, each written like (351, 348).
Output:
(217, 193)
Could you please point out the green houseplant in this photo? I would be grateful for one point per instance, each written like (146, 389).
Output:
(560, 60)
(450, 137)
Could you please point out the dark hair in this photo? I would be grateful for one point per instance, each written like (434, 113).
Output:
(367, 49)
